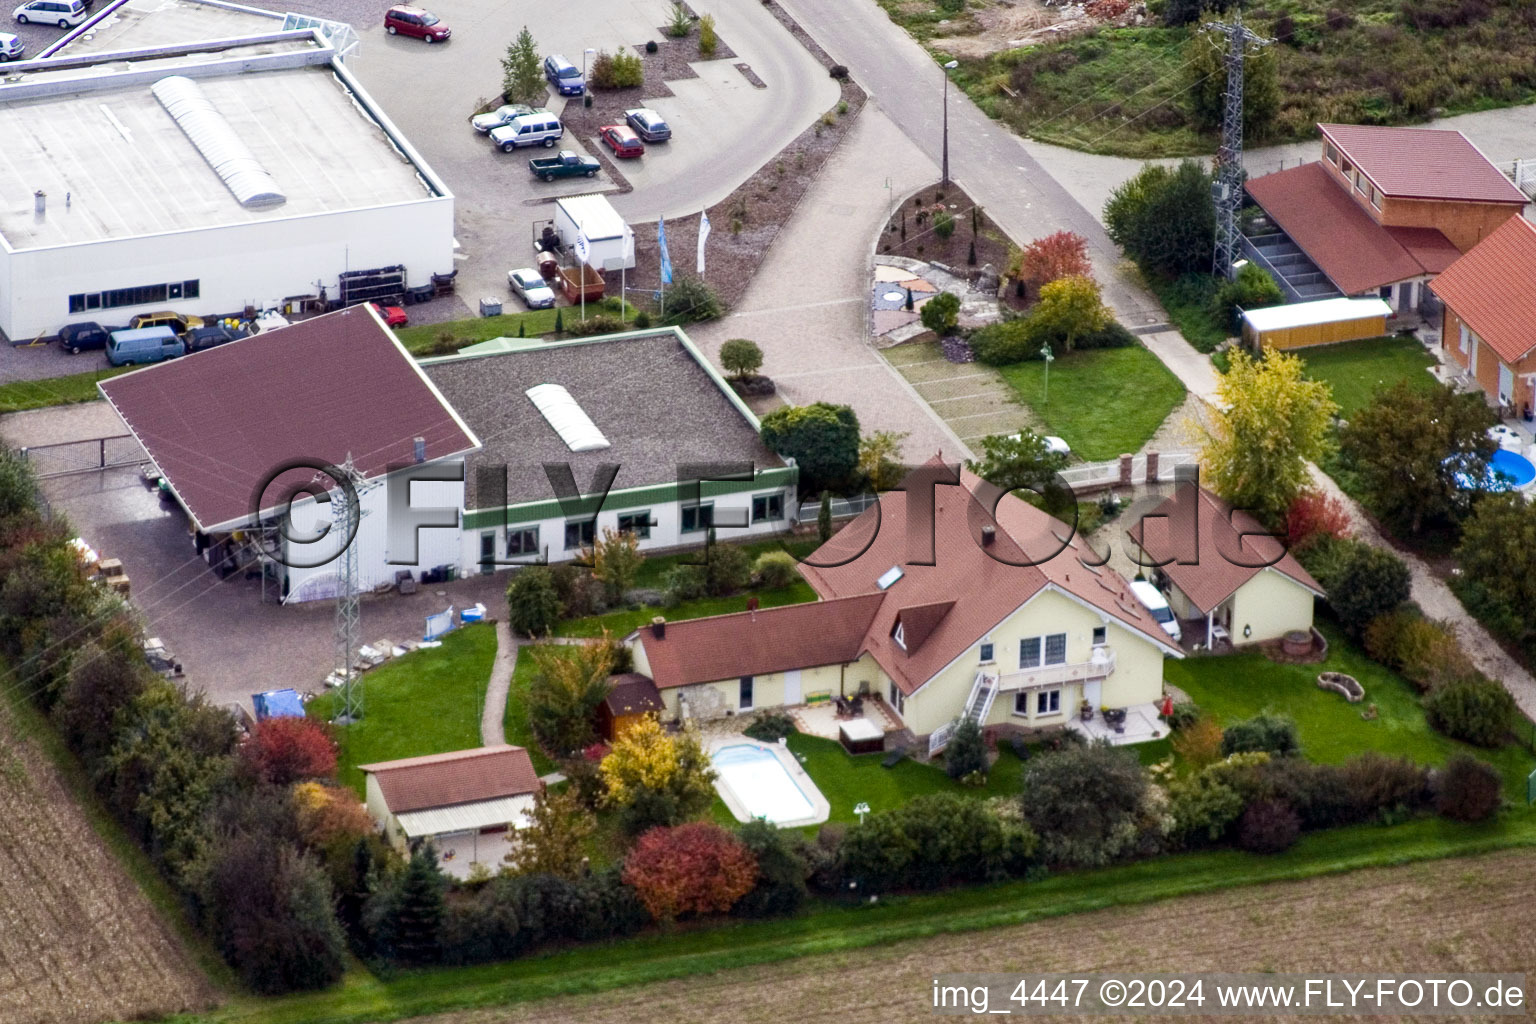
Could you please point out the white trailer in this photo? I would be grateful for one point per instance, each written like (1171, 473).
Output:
(610, 241)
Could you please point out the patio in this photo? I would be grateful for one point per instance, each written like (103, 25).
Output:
(822, 719)
(1142, 725)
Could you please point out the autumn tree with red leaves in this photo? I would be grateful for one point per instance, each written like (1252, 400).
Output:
(286, 750)
(694, 868)
(1058, 255)
(1314, 514)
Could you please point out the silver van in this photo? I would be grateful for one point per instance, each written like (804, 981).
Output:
(540, 128)
(63, 13)
(144, 345)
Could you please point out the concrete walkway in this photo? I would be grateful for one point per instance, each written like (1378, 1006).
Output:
(494, 712)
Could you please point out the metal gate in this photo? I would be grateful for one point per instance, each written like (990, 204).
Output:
(90, 455)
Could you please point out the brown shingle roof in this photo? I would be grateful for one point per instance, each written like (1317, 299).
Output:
(459, 777)
(633, 694)
(1493, 289)
(756, 643)
(1203, 557)
(1355, 252)
(218, 422)
(1423, 163)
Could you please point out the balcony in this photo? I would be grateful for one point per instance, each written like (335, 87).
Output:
(1101, 664)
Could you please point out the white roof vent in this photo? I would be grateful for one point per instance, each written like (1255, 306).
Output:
(243, 174)
(568, 418)
(889, 577)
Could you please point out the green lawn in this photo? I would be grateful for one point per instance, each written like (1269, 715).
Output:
(1188, 302)
(1357, 370)
(35, 394)
(1102, 401)
(515, 721)
(427, 702)
(535, 322)
(1242, 685)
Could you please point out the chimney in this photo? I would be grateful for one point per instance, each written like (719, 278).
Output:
(988, 535)
(40, 202)
(659, 627)
(421, 449)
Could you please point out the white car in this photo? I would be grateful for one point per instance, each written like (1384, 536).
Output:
(527, 285)
(503, 114)
(63, 13)
(1053, 444)
(11, 47)
(1157, 604)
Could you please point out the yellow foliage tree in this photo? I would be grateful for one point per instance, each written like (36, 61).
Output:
(1069, 306)
(616, 561)
(657, 779)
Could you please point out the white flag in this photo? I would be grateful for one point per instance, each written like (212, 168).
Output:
(703, 237)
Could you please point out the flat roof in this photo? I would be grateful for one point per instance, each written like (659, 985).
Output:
(144, 23)
(653, 395)
(595, 215)
(1306, 314)
(128, 169)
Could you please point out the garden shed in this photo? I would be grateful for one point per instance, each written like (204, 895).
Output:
(610, 240)
(1325, 322)
(631, 697)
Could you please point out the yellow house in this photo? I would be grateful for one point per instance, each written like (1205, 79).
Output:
(1220, 568)
(991, 617)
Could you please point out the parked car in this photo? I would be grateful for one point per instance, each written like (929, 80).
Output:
(540, 128)
(1157, 604)
(564, 76)
(405, 20)
(394, 316)
(529, 286)
(621, 138)
(11, 47)
(63, 13)
(144, 345)
(648, 124)
(503, 114)
(178, 322)
(76, 338)
(565, 165)
(212, 336)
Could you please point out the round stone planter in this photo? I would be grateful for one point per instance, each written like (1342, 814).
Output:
(1346, 686)
(1297, 643)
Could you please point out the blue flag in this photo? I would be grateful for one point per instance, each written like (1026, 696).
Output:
(666, 259)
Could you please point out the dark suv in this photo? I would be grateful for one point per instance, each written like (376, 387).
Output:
(76, 338)
(564, 76)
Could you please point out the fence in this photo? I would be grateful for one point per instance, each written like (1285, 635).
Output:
(90, 455)
(842, 508)
(1129, 470)
(1522, 173)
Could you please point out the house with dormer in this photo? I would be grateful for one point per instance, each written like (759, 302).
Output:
(938, 609)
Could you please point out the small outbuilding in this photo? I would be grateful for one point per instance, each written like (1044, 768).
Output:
(277, 704)
(609, 240)
(1325, 322)
(631, 698)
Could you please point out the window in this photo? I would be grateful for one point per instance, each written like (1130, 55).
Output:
(1376, 197)
(1029, 652)
(580, 534)
(1056, 649)
(698, 517)
(1462, 341)
(1100, 635)
(900, 636)
(767, 506)
(746, 693)
(898, 699)
(1035, 651)
(637, 523)
(986, 650)
(1331, 153)
(1021, 703)
(523, 540)
(140, 296)
(1048, 702)
(173, 290)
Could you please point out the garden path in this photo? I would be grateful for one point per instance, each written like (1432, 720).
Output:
(493, 713)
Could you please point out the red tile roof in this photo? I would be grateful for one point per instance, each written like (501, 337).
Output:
(1493, 289)
(919, 621)
(217, 422)
(1203, 557)
(1423, 163)
(459, 777)
(759, 642)
(1356, 253)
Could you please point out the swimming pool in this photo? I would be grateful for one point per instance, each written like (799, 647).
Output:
(754, 782)
(1507, 471)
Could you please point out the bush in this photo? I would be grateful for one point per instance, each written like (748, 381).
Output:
(1314, 514)
(683, 583)
(941, 313)
(1198, 743)
(621, 70)
(690, 300)
(1475, 710)
(741, 357)
(1062, 254)
(966, 753)
(1112, 335)
(679, 24)
(932, 840)
(650, 46)
(729, 569)
(943, 224)
(1204, 805)
(1268, 826)
(822, 438)
(770, 726)
(1090, 806)
(781, 871)
(533, 602)
(1274, 734)
(708, 40)
(775, 569)
(1361, 581)
(657, 779)
(1164, 220)
(642, 320)
(286, 750)
(698, 868)
(1425, 652)
(598, 323)
(1467, 789)
(1185, 715)
(1252, 288)
(1375, 784)
(580, 595)
(1010, 341)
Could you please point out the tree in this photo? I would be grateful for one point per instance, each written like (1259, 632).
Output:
(327, 814)
(1057, 255)
(781, 871)
(1252, 288)
(1199, 743)
(1269, 826)
(1024, 461)
(741, 357)
(1089, 805)
(1475, 710)
(1164, 220)
(616, 561)
(657, 779)
(821, 437)
(824, 518)
(555, 837)
(522, 71)
(941, 313)
(878, 453)
(1205, 74)
(1413, 448)
(1314, 514)
(967, 752)
(285, 750)
(1497, 555)
(1069, 307)
(569, 682)
(1273, 421)
(533, 602)
(1362, 582)
(105, 676)
(698, 868)
(416, 910)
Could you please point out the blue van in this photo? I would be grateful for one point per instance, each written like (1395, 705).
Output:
(564, 76)
(144, 345)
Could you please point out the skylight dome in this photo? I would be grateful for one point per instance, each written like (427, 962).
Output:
(567, 417)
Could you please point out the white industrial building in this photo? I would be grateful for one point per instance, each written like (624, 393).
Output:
(139, 174)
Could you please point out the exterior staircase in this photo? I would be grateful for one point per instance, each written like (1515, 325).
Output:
(978, 704)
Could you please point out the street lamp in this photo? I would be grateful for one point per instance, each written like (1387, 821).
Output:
(1048, 356)
(861, 809)
(588, 52)
(951, 65)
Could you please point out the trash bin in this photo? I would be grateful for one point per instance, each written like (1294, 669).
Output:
(490, 307)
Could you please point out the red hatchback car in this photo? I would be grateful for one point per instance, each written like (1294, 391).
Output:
(413, 21)
(621, 138)
(394, 316)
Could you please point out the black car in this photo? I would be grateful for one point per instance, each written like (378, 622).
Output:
(200, 338)
(648, 124)
(76, 338)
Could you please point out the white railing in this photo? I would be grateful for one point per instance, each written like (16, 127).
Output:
(983, 689)
(842, 508)
(1095, 475)
(939, 738)
(1097, 667)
